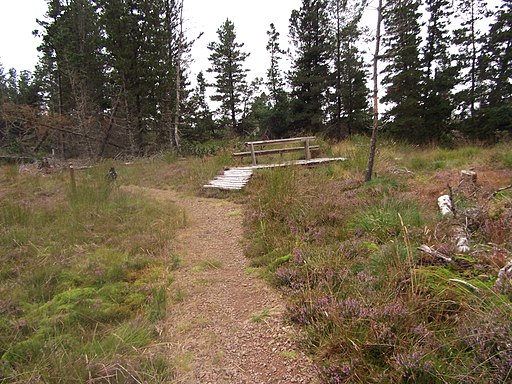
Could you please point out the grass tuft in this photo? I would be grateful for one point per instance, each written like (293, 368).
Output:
(260, 316)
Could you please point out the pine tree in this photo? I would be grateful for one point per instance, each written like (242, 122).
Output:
(275, 81)
(274, 117)
(439, 72)
(115, 65)
(73, 67)
(495, 70)
(255, 105)
(201, 126)
(309, 28)
(3, 85)
(468, 40)
(349, 104)
(496, 61)
(23, 89)
(173, 98)
(72, 48)
(227, 61)
(403, 73)
(142, 69)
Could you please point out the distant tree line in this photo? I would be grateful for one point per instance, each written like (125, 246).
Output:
(113, 77)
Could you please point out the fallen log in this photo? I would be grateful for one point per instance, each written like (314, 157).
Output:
(461, 239)
(495, 193)
(445, 205)
(432, 252)
(465, 283)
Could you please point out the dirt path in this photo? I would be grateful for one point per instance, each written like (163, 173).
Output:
(225, 326)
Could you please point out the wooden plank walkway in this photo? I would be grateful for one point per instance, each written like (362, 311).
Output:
(237, 178)
(231, 179)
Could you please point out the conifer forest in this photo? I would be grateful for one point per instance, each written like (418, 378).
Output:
(113, 77)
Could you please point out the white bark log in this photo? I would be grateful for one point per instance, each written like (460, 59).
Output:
(432, 252)
(469, 285)
(445, 205)
(462, 239)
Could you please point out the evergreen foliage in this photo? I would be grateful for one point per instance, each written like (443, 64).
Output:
(310, 70)
(275, 81)
(201, 125)
(74, 65)
(403, 73)
(496, 60)
(495, 69)
(349, 98)
(468, 39)
(227, 61)
(22, 89)
(111, 67)
(275, 122)
(439, 72)
(112, 77)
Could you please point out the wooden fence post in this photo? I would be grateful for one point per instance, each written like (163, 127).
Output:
(72, 176)
(253, 155)
(307, 150)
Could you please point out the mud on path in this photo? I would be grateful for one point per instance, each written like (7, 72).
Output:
(224, 326)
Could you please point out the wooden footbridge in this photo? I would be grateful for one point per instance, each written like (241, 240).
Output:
(236, 178)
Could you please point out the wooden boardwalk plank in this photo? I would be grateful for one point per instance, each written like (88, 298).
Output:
(237, 178)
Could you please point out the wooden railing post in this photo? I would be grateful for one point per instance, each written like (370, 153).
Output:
(307, 150)
(253, 155)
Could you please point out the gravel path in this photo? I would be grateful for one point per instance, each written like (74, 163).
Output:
(224, 326)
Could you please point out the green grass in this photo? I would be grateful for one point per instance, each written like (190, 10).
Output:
(260, 316)
(507, 159)
(385, 220)
(206, 265)
(183, 174)
(83, 277)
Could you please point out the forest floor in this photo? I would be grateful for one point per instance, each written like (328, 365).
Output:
(225, 325)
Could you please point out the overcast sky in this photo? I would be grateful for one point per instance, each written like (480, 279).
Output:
(18, 47)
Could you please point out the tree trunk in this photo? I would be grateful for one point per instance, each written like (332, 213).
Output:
(110, 125)
(473, 63)
(59, 84)
(175, 137)
(139, 128)
(373, 142)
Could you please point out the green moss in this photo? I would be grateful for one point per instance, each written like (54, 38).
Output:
(27, 350)
(267, 259)
(437, 281)
(278, 262)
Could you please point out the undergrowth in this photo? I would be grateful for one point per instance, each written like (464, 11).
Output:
(84, 277)
(371, 307)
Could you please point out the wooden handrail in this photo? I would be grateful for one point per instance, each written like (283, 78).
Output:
(275, 150)
(278, 141)
(253, 152)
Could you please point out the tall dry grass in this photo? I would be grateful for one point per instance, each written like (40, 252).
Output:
(84, 276)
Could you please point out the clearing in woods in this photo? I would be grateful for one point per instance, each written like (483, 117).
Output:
(225, 326)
